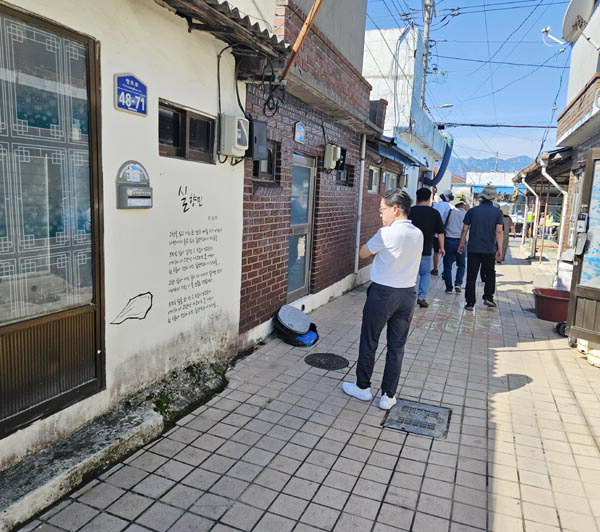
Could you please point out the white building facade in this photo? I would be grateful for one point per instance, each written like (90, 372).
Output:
(392, 63)
(120, 227)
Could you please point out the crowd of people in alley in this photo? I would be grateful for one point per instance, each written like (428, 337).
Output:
(449, 230)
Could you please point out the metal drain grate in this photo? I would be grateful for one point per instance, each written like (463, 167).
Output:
(327, 361)
(419, 418)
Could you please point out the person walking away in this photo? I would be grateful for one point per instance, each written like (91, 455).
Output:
(443, 207)
(390, 297)
(529, 223)
(549, 225)
(484, 225)
(454, 227)
(506, 225)
(429, 221)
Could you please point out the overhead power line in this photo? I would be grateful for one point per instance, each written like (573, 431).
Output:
(518, 126)
(500, 62)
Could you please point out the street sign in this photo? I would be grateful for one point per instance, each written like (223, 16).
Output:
(131, 94)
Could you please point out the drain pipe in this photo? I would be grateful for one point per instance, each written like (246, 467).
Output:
(525, 215)
(361, 183)
(535, 215)
(544, 165)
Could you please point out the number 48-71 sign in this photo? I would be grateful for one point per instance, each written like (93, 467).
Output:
(131, 94)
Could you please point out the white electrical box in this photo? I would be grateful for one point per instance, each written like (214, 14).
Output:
(235, 135)
(332, 156)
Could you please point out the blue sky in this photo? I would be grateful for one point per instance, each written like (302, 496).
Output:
(469, 85)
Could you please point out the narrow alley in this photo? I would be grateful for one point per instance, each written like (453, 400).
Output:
(283, 448)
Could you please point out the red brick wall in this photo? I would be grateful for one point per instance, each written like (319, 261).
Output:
(267, 209)
(267, 212)
(371, 222)
(319, 58)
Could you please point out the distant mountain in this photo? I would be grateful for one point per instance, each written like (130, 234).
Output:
(470, 164)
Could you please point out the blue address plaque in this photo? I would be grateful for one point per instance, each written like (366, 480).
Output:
(131, 95)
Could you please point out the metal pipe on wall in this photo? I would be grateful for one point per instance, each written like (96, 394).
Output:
(524, 226)
(535, 214)
(361, 183)
(545, 222)
(563, 212)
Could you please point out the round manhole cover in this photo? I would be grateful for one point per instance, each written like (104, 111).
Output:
(327, 361)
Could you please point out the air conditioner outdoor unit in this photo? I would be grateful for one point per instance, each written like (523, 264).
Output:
(332, 156)
(235, 135)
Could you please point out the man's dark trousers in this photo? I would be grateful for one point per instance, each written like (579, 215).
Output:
(487, 263)
(394, 306)
(450, 257)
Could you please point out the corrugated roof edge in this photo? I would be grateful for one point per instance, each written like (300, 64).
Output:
(234, 14)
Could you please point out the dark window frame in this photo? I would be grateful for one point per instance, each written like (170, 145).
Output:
(273, 177)
(184, 151)
(370, 183)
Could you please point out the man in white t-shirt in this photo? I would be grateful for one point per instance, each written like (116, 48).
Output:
(391, 297)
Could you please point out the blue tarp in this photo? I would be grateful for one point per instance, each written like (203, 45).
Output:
(476, 189)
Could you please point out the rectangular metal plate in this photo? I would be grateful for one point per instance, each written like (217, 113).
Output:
(419, 418)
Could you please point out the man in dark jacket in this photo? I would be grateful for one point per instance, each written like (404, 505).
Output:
(429, 221)
(484, 225)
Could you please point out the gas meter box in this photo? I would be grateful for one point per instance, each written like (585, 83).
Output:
(133, 187)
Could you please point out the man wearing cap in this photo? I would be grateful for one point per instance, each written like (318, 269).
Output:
(483, 224)
(454, 227)
(443, 207)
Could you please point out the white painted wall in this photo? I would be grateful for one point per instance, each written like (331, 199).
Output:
(585, 61)
(393, 66)
(143, 38)
(343, 23)
(412, 181)
(259, 11)
(389, 66)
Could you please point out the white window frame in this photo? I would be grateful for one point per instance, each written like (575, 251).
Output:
(374, 188)
(390, 177)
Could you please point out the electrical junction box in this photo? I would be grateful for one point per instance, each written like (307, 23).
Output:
(258, 141)
(332, 156)
(235, 135)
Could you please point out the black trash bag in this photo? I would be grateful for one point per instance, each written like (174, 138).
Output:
(294, 327)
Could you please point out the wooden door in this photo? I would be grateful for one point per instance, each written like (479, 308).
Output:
(51, 328)
(584, 304)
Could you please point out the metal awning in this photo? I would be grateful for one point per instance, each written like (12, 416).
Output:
(396, 150)
(559, 166)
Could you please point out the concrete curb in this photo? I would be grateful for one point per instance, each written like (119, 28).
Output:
(42, 479)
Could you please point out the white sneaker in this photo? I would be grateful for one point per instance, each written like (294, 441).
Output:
(385, 403)
(352, 389)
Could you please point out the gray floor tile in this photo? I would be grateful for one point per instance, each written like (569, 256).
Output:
(242, 516)
(73, 516)
(159, 516)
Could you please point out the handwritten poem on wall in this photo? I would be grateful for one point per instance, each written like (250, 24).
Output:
(193, 268)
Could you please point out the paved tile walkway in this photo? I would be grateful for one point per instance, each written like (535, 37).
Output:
(282, 448)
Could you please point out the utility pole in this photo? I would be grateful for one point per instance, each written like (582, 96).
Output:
(428, 7)
(496, 166)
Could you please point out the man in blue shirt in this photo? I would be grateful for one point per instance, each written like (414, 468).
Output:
(484, 224)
